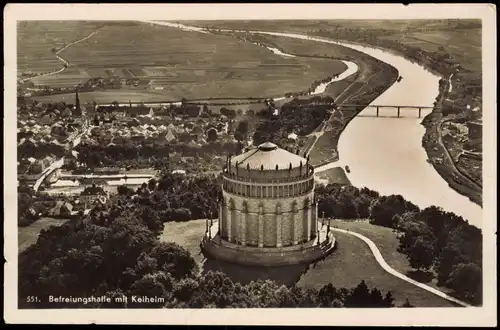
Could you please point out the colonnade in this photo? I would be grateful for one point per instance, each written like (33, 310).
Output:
(292, 227)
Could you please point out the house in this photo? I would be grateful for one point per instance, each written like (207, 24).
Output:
(197, 130)
(169, 136)
(66, 113)
(292, 136)
(185, 137)
(40, 165)
(61, 210)
(46, 120)
(475, 130)
(93, 193)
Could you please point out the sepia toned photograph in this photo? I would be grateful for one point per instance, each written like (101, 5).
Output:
(248, 158)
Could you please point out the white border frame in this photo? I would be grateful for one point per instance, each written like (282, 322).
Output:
(481, 316)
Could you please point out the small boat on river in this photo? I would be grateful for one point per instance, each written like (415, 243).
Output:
(347, 169)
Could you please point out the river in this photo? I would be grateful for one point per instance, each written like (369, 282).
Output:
(386, 154)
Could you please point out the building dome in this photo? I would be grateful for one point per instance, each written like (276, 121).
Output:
(268, 162)
(266, 157)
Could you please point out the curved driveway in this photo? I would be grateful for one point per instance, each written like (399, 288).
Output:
(390, 270)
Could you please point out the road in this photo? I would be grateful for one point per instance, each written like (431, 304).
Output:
(324, 124)
(55, 165)
(60, 162)
(390, 270)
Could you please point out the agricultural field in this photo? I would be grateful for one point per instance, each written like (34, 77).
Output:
(37, 39)
(305, 26)
(463, 44)
(176, 64)
(460, 38)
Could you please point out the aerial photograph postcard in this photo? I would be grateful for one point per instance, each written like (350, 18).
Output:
(322, 161)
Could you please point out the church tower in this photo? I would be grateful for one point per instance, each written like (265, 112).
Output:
(78, 109)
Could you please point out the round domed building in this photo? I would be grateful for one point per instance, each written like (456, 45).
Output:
(267, 211)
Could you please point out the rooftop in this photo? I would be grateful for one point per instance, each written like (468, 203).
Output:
(266, 156)
(94, 190)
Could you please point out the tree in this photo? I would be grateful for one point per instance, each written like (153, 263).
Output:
(241, 131)
(149, 287)
(407, 304)
(152, 184)
(449, 257)
(421, 253)
(412, 230)
(466, 280)
(384, 208)
(389, 299)
(212, 135)
(359, 297)
(123, 190)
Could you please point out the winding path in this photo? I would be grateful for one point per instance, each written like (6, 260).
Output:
(390, 270)
(66, 63)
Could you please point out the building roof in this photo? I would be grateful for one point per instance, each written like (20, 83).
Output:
(475, 123)
(268, 155)
(94, 190)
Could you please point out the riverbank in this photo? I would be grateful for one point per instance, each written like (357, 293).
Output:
(442, 164)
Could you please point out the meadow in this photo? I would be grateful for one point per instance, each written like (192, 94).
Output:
(29, 235)
(345, 267)
(173, 63)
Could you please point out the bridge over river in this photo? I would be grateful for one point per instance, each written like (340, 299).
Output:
(393, 111)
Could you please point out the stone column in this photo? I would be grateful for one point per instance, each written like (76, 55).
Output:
(260, 224)
(314, 218)
(228, 222)
(293, 217)
(236, 233)
(308, 234)
(221, 215)
(279, 219)
(243, 228)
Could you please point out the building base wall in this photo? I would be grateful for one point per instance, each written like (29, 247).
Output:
(221, 250)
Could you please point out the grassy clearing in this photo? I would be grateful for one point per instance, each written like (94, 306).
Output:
(334, 175)
(324, 149)
(387, 242)
(187, 234)
(28, 235)
(353, 262)
(346, 267)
